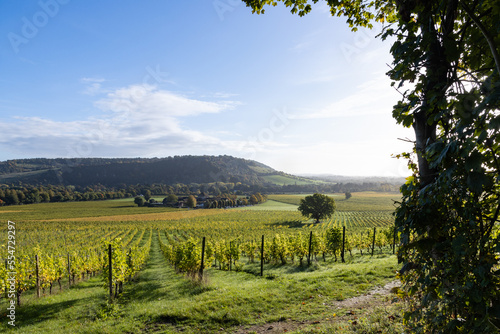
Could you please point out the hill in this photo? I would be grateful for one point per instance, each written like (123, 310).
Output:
(119, 172)
(204, 173)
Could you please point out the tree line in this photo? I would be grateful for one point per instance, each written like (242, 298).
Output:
(226, 200)
(14, 194)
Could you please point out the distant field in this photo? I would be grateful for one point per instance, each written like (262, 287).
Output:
(68, 210)
(271, 205)
(286, 180)
(360, 201)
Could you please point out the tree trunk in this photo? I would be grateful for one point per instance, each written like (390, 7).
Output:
(433, 92)
(425, 135)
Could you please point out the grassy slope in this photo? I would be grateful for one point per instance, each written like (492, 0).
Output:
(163, 301)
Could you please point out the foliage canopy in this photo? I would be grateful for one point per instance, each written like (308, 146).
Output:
(317, 207)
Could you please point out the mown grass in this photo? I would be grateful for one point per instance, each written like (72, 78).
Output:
(271, 205)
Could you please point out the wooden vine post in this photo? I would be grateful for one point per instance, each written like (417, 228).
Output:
(373, 243)
(230, 255)
(394, 241)
(262, 257)
(202, 258)
(129, 262)
(110, 266)
(343, 245)
(69, 272)
(37, 267)
(310, 246)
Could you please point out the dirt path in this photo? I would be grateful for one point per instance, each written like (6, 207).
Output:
(348, 309)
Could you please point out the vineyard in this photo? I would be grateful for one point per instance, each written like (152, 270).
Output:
(53, 255)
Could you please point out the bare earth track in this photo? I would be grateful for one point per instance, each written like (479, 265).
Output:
(348, 309)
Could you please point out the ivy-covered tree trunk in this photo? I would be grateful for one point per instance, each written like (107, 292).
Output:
(446, 218)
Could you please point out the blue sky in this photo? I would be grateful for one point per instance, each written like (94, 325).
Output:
(160, 78)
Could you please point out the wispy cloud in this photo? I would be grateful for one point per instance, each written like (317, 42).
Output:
(148, 100)
(370, 98)
(93, 85)
(137, 120)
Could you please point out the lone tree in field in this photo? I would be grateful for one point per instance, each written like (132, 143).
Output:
(317, 207)
(191, 201)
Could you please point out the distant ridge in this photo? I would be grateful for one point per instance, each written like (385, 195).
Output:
(118, 173)
(124, 171)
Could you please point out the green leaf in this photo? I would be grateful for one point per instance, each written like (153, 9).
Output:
(476, 181)
(474, 161)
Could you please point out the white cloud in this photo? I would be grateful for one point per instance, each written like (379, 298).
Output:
(146, 99)
(135, 121)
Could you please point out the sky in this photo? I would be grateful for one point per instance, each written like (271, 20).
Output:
(157, 78)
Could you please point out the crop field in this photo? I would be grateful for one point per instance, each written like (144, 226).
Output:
(156, 256)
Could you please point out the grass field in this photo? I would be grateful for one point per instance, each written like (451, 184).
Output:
(287, 180)
(271, 205)
(290, 297)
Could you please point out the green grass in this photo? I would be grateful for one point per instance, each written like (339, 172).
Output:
(163, 301)
(271, 205)
(287, 180)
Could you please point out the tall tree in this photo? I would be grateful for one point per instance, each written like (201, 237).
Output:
(317, 206)
(191, 201)
(446, 66)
